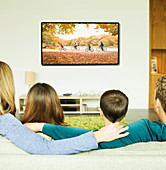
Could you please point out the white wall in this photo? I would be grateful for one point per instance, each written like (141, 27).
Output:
(20, 45)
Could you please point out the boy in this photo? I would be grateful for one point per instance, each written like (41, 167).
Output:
(114, 106)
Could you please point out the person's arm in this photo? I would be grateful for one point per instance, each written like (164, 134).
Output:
(139, 131)
(33, 143)
(56, 132)
(62, 132)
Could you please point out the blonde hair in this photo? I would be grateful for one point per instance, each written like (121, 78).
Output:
(7, 90)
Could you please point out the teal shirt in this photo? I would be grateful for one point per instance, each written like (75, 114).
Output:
(139, 131)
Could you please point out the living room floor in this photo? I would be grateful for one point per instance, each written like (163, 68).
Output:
(137, 114)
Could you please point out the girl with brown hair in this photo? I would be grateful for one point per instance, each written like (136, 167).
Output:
(43, 105)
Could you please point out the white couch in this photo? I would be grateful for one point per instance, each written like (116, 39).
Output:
(150, 155)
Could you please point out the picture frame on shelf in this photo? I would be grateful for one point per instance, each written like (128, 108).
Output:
(154, 68)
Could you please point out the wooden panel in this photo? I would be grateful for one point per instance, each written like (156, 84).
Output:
(158, 19)
(157, 42)
(150, 51)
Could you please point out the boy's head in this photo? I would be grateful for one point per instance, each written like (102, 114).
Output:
(114, 105)
(161, 91)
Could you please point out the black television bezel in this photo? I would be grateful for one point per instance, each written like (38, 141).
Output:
(68, 22)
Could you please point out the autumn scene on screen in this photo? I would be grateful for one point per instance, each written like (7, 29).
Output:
(80, 43)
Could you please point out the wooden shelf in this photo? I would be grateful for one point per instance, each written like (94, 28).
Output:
(157, 74)
(157, 43)
(71, 112)
(70, 105)
(97, 112)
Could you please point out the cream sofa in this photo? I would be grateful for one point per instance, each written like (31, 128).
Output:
(137, 156)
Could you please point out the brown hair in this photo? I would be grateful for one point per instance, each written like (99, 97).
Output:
(114, 105)
(161, 91)
(7, 90)
(43, 105)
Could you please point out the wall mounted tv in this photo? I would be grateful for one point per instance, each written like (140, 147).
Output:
(80, 43)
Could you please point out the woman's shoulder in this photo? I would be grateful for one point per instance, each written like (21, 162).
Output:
(8, 119)
(8, 116)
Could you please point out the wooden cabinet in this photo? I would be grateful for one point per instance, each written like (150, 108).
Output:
(157, 43)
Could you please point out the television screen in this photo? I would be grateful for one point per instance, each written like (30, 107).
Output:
(80, 43)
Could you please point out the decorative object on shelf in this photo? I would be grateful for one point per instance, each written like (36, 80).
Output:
(29, 78)
(84, 107)
(23, 108)
(67, 94)
(98, 109)
(154, 64)
(92, 92)
(82, 94)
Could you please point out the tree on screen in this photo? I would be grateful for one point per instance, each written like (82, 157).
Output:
(59, 28)
(71, 28)
(111, 28)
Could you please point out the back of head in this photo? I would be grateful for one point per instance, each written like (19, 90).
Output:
(7, 90)
(161, 91)
(114, 105)
(43, 105)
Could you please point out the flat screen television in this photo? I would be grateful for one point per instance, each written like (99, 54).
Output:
(80, 43)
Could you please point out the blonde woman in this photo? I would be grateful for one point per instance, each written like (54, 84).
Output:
(31, 142)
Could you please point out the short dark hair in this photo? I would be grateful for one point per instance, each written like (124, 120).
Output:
(114, 105)
(161, 91)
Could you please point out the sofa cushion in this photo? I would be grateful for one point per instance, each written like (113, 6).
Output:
(151, 155)
(143, 148)
(7, 147)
